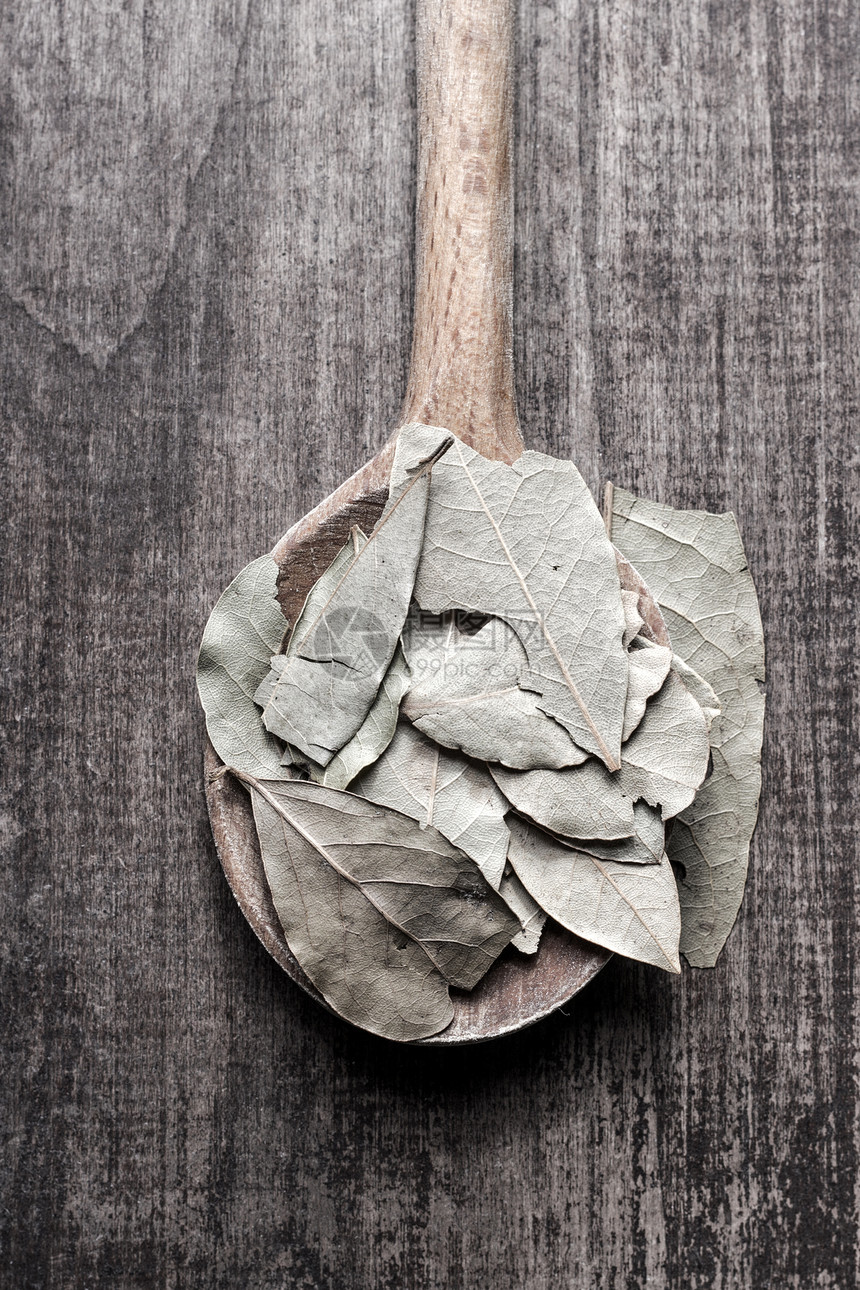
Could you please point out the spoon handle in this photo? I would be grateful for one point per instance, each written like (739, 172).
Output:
(461, 370)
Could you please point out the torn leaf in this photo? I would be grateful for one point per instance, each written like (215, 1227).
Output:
(318, 694)
(373, 735)
(649, 666)
(465, 694)
(696, 568)
(645, 846)
(704, 694)
(582, 802)
(666, 758)
(630, 909)
(244, 630)
(528, 911)
(664, 761)
(434, 786)
(380, 914)
(526, 543)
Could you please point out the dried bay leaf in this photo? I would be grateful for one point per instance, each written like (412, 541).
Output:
(526, 543)
(581, 802)
(628, 908)
(649, 666)
(380, 914)
(323, 589)
(664, 761)
(439, 788)
(375, 732)
(465, 695)
(244, 630)
(528, 911)
(666, 758)
(317, 695)
(315, 602)
(704, 694)
(696, 568)
(645, 846)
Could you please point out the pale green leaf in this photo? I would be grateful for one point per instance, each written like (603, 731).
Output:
(526, 543)
(695, 566)
(630, 909)
(244, 630)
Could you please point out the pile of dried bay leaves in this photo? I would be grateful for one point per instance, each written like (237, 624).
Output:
(472, 727)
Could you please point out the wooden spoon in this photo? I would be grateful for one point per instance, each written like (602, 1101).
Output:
(461, 377)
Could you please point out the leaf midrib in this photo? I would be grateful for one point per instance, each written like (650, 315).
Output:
(610, 761)
(338, 869)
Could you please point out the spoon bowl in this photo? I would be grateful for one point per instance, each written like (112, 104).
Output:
(519, 990)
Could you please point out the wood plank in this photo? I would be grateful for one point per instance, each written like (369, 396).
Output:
(207, 293)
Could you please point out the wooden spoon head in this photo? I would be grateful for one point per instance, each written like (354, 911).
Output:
(518, 990)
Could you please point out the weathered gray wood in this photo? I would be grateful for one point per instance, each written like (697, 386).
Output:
(178, 1114)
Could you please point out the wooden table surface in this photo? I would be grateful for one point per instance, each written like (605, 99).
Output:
(206, 272)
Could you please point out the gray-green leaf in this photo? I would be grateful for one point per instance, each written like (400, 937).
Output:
(437, 787)
(664, 761)
(380, 914)
(645, 846)
(704, 694)
(375, 732)
(694, 564)
(528, 911)
(373, 735)
(582, 802)
(526, 543)
(666, 758)
(317, 695)
(649, 666)
(465, 695)
(630, 909)
(324, 587)
(244, 630)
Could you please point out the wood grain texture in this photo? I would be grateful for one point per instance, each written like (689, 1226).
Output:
(461, 375)
(176, 1113)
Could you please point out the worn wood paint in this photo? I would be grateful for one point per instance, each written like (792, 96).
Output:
(178, 1113)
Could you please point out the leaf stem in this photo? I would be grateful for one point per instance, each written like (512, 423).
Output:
(608, 503)
(276, 806)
